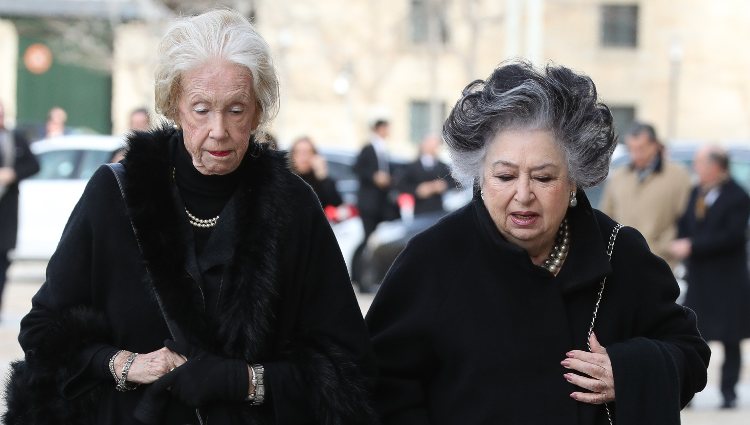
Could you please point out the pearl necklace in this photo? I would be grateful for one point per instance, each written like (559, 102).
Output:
(199, 222)
(560, 250)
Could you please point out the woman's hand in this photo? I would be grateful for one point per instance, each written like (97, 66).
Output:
(149, 367)
(598, 370)
(319, 166)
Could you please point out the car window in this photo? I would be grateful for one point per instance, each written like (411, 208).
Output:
(339, 170)
(92, 159)
(57, 165)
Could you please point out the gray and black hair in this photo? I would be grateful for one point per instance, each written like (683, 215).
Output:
(218, 34)
(516, 96)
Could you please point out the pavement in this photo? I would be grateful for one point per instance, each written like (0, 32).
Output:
(26, 277)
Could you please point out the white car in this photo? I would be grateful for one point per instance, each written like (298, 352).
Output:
(47, 199)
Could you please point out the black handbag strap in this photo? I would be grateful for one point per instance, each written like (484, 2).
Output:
(610, 249)
(119, 171)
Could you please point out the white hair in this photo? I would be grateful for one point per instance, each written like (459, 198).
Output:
(218, 34)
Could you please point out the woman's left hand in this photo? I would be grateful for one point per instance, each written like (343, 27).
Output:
(597, 369)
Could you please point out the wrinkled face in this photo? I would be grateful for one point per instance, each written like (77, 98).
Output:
(642, 150)
(217, 111)
(302, 156)
(527, 188)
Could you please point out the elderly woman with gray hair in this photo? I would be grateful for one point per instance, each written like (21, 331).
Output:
(198, 281)
(527, 306)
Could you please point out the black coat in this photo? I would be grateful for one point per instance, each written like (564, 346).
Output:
(25, 165)
(325, 189)
(414, 174)
(468, 331)
(717, 274)
(285, 300)
(372, 201)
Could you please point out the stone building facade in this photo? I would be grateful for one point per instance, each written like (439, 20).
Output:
(681, 65)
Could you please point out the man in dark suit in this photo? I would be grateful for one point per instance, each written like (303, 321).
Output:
(16, 163)
(373, 170)
(712, 241)
(427, 178)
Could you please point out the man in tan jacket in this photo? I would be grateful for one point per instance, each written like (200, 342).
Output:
(650, 193)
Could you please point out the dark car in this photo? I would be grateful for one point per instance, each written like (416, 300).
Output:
(386, 243)
(390, 238)
(340, 170)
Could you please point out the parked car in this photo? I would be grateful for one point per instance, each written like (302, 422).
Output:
(47, 199)
(340, 162)
(390, 238)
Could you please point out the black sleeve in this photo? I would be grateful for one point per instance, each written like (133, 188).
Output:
(26, 164)
(329, 195)
(366, 165)
(62, 333)
(406, 180)
(683, 224)
(658, 372)
(322, 373)
(399, 323)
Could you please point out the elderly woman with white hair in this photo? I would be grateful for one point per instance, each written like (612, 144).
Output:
(527, 306)
(198, 281)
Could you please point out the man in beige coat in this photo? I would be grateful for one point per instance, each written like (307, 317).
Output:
(650, 193)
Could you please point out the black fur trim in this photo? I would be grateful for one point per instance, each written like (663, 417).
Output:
(33, 387)
(341, 395)
(248, 308)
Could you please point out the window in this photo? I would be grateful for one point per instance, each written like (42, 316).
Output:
(619, 25)
(92, 160)
(54, 165)
(623, 117)
(421, 13)
(419, 116)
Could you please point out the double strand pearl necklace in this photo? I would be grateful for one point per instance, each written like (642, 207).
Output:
(202, 223)
(560, 250)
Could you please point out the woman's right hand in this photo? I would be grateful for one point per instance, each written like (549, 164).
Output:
(149, 367)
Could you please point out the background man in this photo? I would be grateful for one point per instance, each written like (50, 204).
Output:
(712, 240)
(427, 178)
(650, 193)
(373, 170)
(16, 163)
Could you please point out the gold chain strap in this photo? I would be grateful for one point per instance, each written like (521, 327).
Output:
(610, 248)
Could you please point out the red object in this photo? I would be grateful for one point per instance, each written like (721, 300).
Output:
(340, 213)
(332, 212)
(405, 200)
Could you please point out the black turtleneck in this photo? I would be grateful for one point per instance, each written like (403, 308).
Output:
(204, 196)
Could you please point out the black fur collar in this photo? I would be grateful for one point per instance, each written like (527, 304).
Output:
(248, 308)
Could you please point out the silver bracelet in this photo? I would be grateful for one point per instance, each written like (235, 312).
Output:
(122, 384)
(112, 366)
(259, 395)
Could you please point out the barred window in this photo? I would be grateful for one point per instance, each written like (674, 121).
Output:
(419, 119)
(419, 17)
(623, 117)
(619, 25)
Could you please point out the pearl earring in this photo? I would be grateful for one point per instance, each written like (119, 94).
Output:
(573, 200)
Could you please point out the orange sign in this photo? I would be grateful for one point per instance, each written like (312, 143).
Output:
(37, 58)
